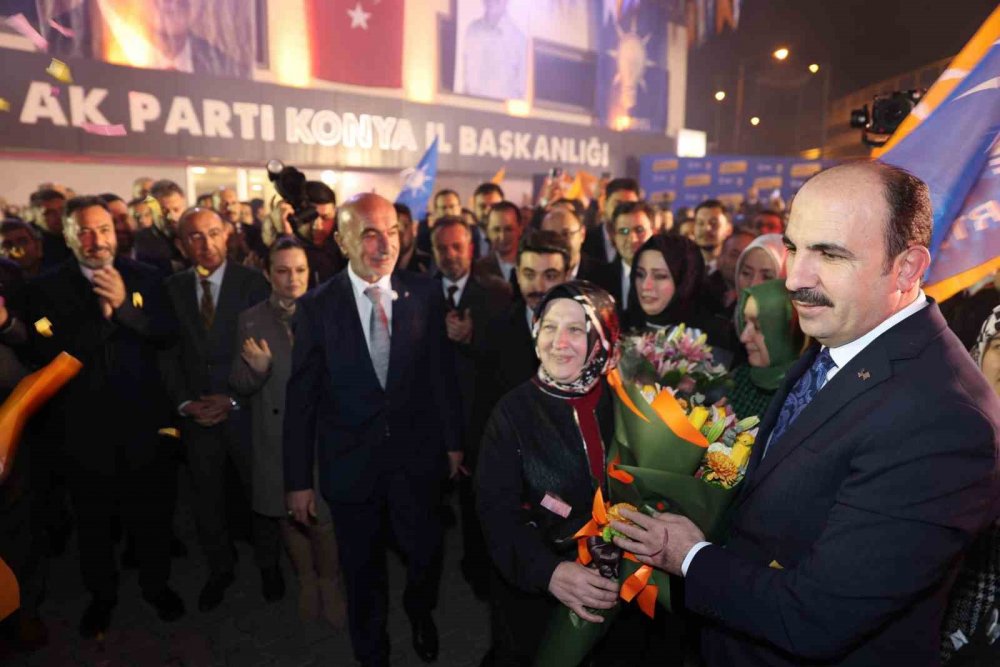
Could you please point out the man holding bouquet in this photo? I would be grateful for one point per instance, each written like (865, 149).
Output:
(875, 465)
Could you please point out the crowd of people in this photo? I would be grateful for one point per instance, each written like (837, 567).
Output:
(330, 382)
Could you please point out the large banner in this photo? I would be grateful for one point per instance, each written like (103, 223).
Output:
(491, 50)
(355, 41)
(690, 181)
(632, 65)
(208, 37)
(111, 110)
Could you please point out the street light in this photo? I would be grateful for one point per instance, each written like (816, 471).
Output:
(780, 54)
(720, 95)
(755, 121)
(814, 68)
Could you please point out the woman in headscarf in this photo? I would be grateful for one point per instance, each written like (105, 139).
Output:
(971, 629)
(668, 285)
(769, 330)
(762, 260)
(542, 458)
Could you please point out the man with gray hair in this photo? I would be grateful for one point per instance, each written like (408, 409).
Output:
(111, 313)
(207, 299)
(372, 394)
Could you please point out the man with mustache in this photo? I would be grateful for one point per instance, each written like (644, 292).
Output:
(875, 465)
(372, 395)
(111, 313)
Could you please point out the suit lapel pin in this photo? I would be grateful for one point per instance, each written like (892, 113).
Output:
(864, 374)
(136, 300)
(44, 327)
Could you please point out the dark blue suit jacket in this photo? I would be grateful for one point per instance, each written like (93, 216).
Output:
(866, 503)
(336, 408)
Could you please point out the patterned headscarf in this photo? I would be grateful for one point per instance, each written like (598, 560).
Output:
(991, 327)
(773, 246)
(602, 335)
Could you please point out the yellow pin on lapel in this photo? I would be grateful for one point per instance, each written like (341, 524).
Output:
(136, 300)
(44, 327)
(775, 565)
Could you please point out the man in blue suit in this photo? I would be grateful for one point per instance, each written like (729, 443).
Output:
(875, 465)
(372, 394)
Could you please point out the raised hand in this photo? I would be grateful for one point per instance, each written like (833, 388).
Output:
(257, 355)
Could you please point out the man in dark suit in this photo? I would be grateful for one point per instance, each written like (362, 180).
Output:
(156, 244)
(484, 197)
(507, 353)
(48, 207)
(206, 301)
(373, 382)
(600, 243)
(567, 224)
(411, 258)
(111, 314)
(633, 227)
(504, 229)
(245, 241)
(875, 465)
(472, 303)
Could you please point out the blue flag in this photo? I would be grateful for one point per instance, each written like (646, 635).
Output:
(955, 151)
(418, 182)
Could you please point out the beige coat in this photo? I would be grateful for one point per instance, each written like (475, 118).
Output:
(266, 394)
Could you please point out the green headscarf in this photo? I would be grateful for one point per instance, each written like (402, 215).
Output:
(775, 316)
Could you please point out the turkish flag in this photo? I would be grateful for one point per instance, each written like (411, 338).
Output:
(357, 41)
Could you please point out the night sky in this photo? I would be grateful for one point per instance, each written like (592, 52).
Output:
(860, 41)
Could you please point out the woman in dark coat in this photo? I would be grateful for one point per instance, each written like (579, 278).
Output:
(542, 459)
(668, 288)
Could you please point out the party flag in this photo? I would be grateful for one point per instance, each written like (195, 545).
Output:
(951, 142)
(418, 182)
(499, 176)
(59, 71)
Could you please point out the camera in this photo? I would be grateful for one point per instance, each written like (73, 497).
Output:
(887, 112)
(291, 185)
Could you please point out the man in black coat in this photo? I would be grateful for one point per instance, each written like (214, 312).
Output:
(156, 244)
(206, 301)
(633, 225)
(507, 352)
(600, 243)
(564, 221)
(372, 395)
(875, 466)
(472, 302)
(111, 314)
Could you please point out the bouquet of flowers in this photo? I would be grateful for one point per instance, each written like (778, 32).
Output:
(674, 450)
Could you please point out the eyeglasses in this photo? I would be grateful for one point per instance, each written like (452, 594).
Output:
(640, 230)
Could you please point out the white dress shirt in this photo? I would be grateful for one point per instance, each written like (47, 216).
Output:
(841, 356)
(215, 279)
(365, 305)
(610, 251)
(446, 283)
(506, 268)
(626, 284)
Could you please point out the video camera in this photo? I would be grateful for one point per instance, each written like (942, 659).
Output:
(887, 112)
(291, 185)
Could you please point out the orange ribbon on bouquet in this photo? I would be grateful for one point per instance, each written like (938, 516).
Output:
(665, 406)
(636, 586)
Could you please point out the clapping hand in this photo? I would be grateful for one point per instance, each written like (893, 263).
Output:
(110, 288)
(257, 355)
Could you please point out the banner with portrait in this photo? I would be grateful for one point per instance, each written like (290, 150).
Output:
(203, 37)
(632, 65)
(492, 48)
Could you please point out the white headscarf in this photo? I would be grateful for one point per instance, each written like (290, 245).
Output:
(775, 248)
